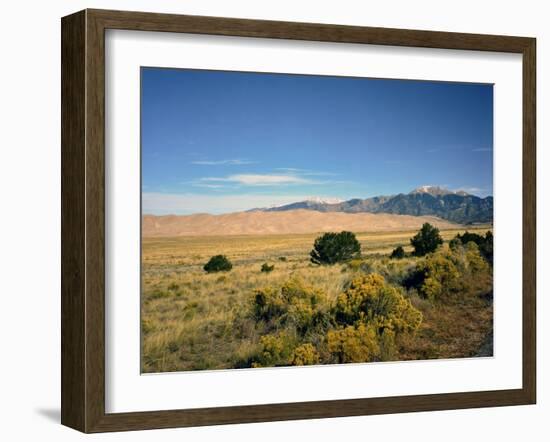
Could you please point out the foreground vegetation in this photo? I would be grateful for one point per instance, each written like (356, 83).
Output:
(275, 307)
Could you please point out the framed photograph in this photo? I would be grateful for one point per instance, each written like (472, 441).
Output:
(267, 221)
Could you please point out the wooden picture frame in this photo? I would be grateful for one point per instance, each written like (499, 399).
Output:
(83, 220)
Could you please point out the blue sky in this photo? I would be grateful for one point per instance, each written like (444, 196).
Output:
(220, 142)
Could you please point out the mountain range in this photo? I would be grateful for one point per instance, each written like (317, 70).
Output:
(459, 207)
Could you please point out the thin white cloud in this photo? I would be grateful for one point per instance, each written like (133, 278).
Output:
(209, 186)
(260, 179)
(478, 191)
(234, 162)
(304, 172)
(470, 189)
(458, 147)
(291, 169)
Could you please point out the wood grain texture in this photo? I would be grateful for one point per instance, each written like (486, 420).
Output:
(145, 21)
(95, 222)
(529, 221)
(83, 220)
(73, 253)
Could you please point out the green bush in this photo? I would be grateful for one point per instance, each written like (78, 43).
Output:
(266, 268)
(398, 253)
(426, 240)
(486, 248)
(332, 248)
(218, 263)
(484, 243)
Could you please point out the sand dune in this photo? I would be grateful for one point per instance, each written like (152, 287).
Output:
(294, 221)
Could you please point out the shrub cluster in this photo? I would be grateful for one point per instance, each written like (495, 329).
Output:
(305, 354)
(451, 270)
(353, 344)
(373, 314)
(294, 305)
(301, 327)
(484, 243)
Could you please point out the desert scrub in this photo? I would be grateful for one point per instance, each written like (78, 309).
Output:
(275, 350)
(305, 354)
(267, 304)
(372, 314)
(398, 253)
(218, 263)
(213, 317)
(370, 299)
(266, 268)
(484, 243)
(294, 304)
(394, 271)
(361, 325)
(451, 270)
(476, 263)
(353, 344)
(359, 265)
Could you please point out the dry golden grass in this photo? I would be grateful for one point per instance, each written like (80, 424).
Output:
(188, 316)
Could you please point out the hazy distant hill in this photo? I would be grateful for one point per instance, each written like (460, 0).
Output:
(283, 222)
(459, 207)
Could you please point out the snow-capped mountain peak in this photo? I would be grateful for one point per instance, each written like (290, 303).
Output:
(321, 200)
(437, 191)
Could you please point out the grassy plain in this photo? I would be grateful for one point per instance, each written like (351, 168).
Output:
(188, 316)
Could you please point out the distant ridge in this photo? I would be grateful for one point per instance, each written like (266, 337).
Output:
(456, 206)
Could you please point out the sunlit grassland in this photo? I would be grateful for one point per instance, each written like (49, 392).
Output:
(188, 315)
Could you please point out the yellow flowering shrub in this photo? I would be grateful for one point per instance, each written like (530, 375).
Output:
(274, 350)
(294, 304)
(476, 263)
(371, 300)
(442, 273)
(353, 344)
(267, 303)
(453, 269)
(305, 354)
(295, 289)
